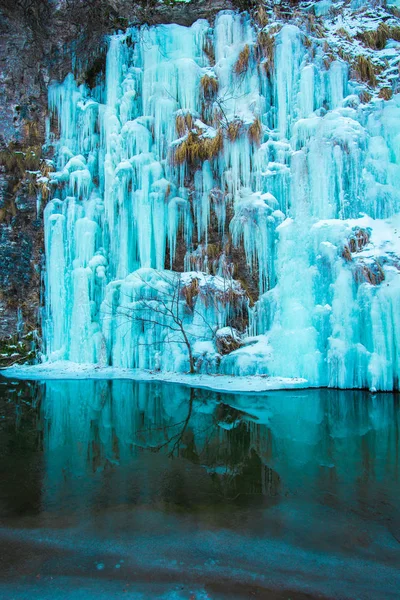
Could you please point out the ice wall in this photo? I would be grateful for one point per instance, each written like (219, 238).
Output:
(197, 131)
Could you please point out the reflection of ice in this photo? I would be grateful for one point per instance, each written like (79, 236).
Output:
(107, 430)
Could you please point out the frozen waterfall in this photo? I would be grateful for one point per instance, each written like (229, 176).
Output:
(200, 147)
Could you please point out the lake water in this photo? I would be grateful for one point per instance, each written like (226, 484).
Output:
(116, 489)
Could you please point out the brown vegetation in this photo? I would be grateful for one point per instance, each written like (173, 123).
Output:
(8, 210)
(346, 254)
(207, 256)
(356, 242)
(234, 129)
(343, 33)
(314, 26)
(24, 164)
(209, 87)
(344, 55)
(377, 39)
(255, 131)
(17, 161)
(19, 158)
(261, 16)
(372, 274)
(195, 148)
(243, 61)
(386, 93)
(190, 292)
(359, 239)
(365, 70)
(266, 46)
(183, 124)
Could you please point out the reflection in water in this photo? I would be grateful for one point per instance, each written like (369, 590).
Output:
(314, 471)
(343, 445)
(95, 426)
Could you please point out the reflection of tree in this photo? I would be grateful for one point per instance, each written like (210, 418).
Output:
(122, 443)
(234, 465)
(176, 439)
(109, 429)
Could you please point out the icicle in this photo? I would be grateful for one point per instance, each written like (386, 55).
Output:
(287, 66)
(56, 323)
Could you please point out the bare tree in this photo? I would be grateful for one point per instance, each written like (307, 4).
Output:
(171, 304)
(166, 308)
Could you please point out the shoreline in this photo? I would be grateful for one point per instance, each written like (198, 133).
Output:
(218, 383)
(234, 384)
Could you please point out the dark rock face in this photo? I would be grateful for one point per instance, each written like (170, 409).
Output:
(23, 99)
(38, 42)
(20, 258)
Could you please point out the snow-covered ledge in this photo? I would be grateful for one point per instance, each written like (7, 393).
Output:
(221, 383)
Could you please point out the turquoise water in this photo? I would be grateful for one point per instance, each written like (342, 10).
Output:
(119, 489)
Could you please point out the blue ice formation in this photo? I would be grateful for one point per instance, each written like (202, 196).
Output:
(280, 156)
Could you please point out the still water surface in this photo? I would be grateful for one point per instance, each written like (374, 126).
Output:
(132, 490)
